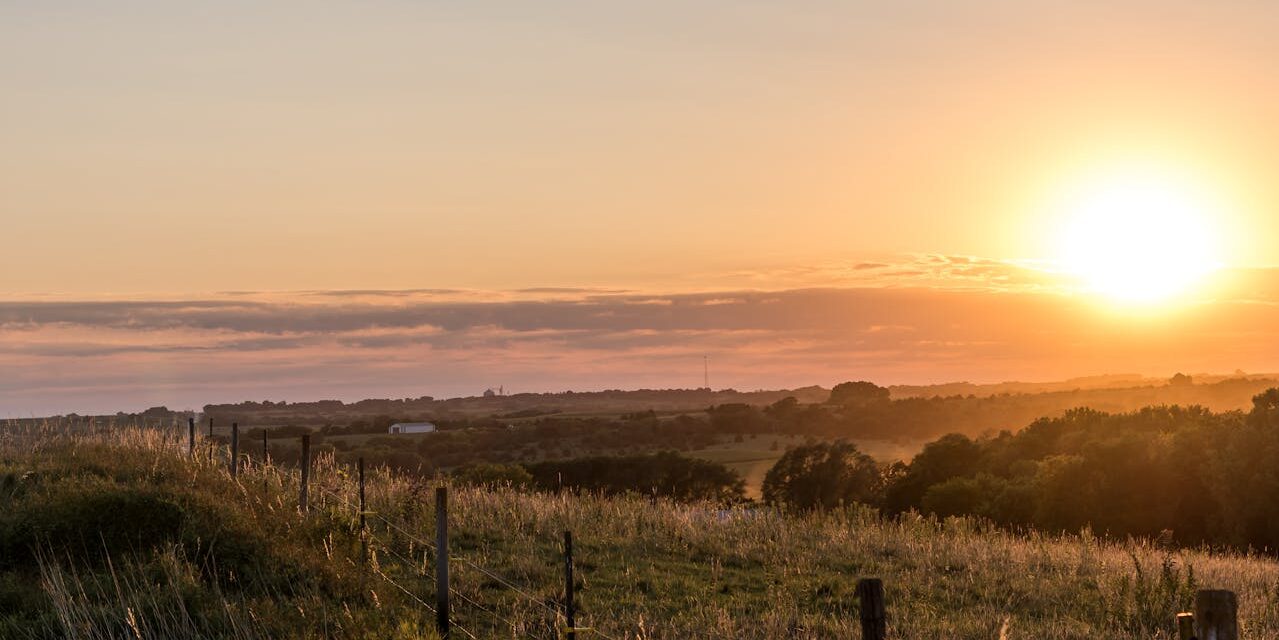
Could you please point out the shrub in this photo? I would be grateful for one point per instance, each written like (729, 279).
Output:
(822, 476)
(666, 474)
(88, 520)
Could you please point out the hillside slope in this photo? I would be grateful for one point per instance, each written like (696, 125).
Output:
(127, 536)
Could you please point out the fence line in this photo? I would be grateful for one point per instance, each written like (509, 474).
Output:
(463, 559)
(422, 571)
(540, 602)
(1215, 615)
(404, 560)
(420, 601)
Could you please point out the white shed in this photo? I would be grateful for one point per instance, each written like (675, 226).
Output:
(411, 427)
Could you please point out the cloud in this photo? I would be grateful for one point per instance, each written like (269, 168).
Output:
(988, 322)
(938, 271)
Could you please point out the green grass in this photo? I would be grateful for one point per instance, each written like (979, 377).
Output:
(239, 561)
(750, 459)
(123, 536)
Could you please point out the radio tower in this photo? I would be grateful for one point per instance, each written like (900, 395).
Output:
(706, 373)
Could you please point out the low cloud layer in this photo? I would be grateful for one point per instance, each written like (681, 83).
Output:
(932, 319)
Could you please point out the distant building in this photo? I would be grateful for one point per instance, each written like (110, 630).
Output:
(411, 427)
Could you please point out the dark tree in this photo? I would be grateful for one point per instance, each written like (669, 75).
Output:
(665, 474)
(949, 457)
(823, 476)
(856, 394)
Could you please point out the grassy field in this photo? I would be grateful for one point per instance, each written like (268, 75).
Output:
(125, 536)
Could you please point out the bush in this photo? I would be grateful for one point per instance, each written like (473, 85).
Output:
(666, 474)
(108, 528)
(822, 476)
(87, 520)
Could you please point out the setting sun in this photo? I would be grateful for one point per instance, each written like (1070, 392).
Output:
(1139, 239)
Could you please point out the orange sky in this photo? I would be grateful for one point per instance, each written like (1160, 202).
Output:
(925, 319)
(178, 147)
(153, 152)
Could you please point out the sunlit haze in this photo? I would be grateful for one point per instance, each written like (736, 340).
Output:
(214, 201)
(594, 320)
(1140, 238)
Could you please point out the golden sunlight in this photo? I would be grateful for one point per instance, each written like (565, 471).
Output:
(1139, 239)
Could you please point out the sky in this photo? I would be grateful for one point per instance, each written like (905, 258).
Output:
(208, 202)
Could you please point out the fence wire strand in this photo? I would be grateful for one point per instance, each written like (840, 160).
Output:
(556, 612)
(382, 574)
(403, 559)
(488, 573)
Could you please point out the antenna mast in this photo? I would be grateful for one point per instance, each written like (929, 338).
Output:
(706, 373)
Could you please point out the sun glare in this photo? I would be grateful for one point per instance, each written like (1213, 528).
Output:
(1139, 239)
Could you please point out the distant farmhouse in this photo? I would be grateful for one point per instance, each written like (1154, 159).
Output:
(411, 427)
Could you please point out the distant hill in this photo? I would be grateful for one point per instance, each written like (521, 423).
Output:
(1110, 381)
(1009, 405)
(610, 402)
(922, 410)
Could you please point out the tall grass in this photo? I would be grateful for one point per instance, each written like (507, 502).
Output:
(138, 600)
(645, 569)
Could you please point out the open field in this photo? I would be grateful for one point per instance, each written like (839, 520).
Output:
(205, 556)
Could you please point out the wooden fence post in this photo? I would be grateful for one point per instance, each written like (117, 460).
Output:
(191, 437)
(303, 504)
(1185, 626)
(1216, 615)
(870, 593)
(442, 561)
(211, 443)
(570, 614)
(235, 449)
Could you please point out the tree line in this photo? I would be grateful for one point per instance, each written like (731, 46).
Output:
(1183, 474)
(852, 410)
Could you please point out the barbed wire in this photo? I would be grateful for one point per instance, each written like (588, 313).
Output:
(382, 574)
(540, 602)
(461, 595)
(488, 573)
(507, 621)
(178, 444)
(491, 575)
(452, 623)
